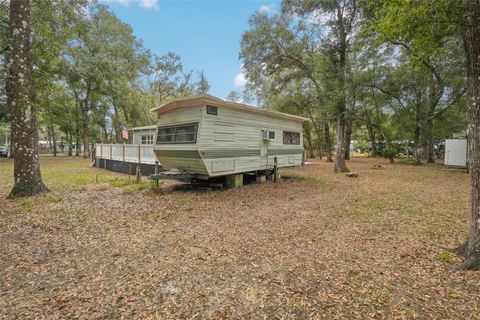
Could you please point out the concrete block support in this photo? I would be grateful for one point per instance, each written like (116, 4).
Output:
(234, 180)
(261, 179)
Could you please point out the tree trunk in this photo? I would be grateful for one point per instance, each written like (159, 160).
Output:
(77, 130)
(373, 142)
(429, 147)
(417, 155)
(340, 165)
(348, 139)
(318, 132)
(49, 138)
(308, 137)
(328, 142)
(54, 140)
(472, 50)
(116, 123)
(68, 136)
(26, 168)
(85, 110)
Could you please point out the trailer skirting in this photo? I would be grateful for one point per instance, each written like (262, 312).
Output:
(126, 167)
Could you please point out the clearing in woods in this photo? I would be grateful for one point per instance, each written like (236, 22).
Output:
(317, 245)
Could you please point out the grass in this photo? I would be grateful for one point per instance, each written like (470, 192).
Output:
(316, 181)
(72, 174)
(314, 245)
(445, 256)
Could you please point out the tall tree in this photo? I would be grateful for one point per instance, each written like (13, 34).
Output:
(278, 51)
(170, 78)
(472, 50)
(202, 85)
(234, 96)
(340, 17)
(20, 92)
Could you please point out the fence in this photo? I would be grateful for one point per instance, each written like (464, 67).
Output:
(136, 153)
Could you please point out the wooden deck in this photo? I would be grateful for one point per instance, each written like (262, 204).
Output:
(133, 153)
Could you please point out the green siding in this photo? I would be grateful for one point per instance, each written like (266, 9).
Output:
(229, 153)
(191, 154)
(276, 152)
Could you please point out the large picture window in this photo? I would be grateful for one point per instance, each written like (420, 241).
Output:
(290, 137)
(185, 133)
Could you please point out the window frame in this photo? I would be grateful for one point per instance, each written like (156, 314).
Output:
(213, 113)
(291, 143)
(195, 124)
(148, 139)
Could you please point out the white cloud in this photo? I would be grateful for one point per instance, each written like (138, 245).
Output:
(240, 80)
(147, 4)
(266, 8)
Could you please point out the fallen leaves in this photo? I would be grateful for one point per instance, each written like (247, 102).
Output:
(317, 245)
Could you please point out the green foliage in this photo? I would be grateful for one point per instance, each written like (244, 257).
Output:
(445, 256)
(391, 152)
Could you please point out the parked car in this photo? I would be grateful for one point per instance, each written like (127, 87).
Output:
(3, 151)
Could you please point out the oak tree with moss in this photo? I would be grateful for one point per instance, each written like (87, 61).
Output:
(20, 96)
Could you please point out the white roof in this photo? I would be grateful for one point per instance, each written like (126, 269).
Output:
(207, 99)
(142, 128)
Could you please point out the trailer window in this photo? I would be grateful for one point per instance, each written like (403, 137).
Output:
(212, 110)
(290, 137)
(185, 133)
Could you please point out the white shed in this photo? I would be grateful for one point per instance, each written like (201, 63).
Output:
(209, 137)
(456, 152)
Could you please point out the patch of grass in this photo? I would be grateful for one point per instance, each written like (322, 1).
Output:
(318, 182)
(409, 161)
(445, 256)
(50, 197)
(135, 187)
(433, 233)
(119, 182)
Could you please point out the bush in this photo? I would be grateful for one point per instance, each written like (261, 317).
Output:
(390, 152)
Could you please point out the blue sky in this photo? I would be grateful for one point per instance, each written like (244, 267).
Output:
(205, 33)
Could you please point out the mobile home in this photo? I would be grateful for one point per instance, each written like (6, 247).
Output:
(208, 137)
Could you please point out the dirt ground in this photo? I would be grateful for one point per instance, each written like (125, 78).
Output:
(316, 245)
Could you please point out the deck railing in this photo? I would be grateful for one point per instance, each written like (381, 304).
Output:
(137, 153)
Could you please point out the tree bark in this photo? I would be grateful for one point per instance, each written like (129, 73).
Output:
(77, 128)
(340, 165)
(429, 145)
(348, 139)
(68, 136)
(308, 137)
(328, 142)
(418, 127)
(85, 111)
(54, 140)
(27, 176)
(318, 131)
(472, 50)
(372, 137)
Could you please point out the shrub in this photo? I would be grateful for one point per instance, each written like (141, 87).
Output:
(390, 152)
